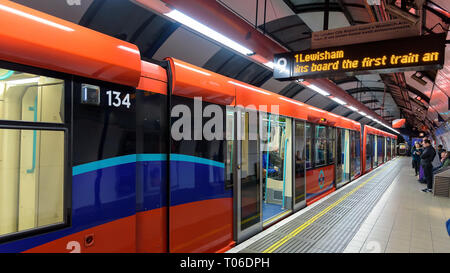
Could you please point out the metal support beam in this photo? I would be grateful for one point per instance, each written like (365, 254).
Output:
(326, 15)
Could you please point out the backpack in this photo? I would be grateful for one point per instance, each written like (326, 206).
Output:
(436, 161)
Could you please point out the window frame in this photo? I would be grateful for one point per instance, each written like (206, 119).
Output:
(315, 140)
(66, 127)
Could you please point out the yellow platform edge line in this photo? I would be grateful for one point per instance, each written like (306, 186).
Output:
(286, 238)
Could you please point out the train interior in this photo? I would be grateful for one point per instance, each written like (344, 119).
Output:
(31, 161)
(277, 166)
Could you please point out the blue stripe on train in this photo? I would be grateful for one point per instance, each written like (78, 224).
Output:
(92, 166)
(191, 182)
(105, 190)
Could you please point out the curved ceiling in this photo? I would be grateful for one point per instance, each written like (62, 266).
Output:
(288, 22)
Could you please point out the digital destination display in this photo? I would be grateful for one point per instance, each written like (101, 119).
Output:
(412, 53)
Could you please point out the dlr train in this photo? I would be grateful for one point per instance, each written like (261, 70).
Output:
(103, 152)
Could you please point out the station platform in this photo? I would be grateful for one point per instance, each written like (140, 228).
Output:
(382, 211)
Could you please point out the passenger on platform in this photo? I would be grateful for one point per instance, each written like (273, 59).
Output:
(439, 151)
(426, 160)
(445, 159)
(415, 153)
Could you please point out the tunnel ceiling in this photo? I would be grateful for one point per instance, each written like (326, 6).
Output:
(290, 23)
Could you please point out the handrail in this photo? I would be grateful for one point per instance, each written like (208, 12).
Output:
(5, 76)
(267, 158)
(34, 109)
(284, 168)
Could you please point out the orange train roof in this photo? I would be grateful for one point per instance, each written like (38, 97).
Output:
(153, 78)
(34, 38)
(375, 131)
(192, 81)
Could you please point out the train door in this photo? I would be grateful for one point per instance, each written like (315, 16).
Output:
(276, 157)
(299, 165)
(356, 154)
(343, 157)
(388, 149)
(368, 159)
(376, 150)
(247, 190)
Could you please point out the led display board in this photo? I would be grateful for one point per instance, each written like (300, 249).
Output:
(388, 56)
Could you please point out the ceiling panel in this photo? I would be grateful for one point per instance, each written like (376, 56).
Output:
(196, 50)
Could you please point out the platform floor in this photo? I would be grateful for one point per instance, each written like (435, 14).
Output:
(383, 211)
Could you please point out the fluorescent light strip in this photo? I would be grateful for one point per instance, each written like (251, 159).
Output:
(318, 90)
(129, 49)
(23, 81)
(197, 26)
(339, 101)
(192, 69)
(292, 101)
(353, 108)
(362, 113)
(248, 87)
(35, 18)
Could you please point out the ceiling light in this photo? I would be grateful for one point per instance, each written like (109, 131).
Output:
(23, 81)
(362, 113)
(199, 27)
(339, 101)
(318, 90)
(353, 108)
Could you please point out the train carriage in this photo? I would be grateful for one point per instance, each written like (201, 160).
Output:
(96, 154)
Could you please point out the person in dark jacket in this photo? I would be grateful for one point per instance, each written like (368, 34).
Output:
(426, 160)
(415, 153)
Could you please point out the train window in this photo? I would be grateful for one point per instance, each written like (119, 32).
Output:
(308, 154)
(230, 149)
(299, 146)
(331, 144)
(368, 152)
(30, 97)
(320, 145)
(357, 157)
(32, 179)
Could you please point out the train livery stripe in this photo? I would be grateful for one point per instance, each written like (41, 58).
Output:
(110, 162)
(194, 159)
